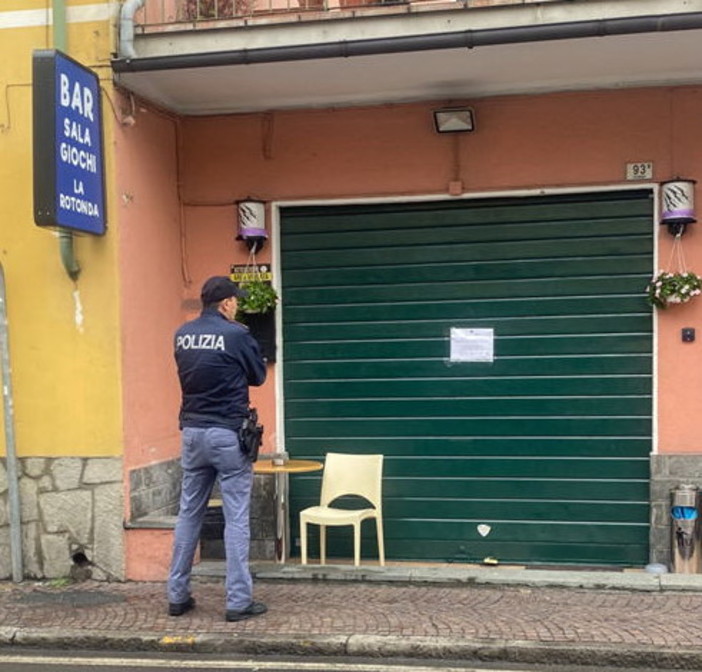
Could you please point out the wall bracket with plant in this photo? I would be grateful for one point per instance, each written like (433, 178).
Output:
(257, 309)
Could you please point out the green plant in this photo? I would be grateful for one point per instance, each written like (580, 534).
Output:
(261, 298)
(668, 288)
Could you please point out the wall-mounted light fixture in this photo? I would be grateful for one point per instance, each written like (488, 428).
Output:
(678, 205)
(454, 120)
(251, 216)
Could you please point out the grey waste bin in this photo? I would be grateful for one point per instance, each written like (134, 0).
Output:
(685, 529)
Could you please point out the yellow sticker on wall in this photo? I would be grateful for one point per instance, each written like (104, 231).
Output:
(248, 273)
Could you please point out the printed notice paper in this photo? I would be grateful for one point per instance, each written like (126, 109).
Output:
(472, 345)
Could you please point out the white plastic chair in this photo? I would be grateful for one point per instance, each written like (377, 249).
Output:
(344, 474)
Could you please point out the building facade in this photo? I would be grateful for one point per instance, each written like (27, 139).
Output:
(63, 407)
(470, 304)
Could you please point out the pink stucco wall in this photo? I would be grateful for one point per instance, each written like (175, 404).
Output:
(151, 285)
(680, 364)
(560, 140)
(577, 140)
(521, 142)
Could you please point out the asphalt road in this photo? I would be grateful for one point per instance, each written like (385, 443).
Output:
(45, 661)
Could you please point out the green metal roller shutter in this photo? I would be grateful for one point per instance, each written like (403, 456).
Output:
(549, 443)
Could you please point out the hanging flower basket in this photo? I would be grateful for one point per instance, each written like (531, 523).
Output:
(261, 298)
(668, 288)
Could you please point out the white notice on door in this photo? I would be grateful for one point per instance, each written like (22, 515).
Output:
(472, 345)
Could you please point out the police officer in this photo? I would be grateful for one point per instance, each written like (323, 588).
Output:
(217, 360)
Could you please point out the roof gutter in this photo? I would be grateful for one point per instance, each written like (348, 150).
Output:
(467, 39)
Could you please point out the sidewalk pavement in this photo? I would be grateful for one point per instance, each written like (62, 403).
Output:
(469, 613)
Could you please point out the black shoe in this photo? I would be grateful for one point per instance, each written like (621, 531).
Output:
(254, 609)
(180, 608)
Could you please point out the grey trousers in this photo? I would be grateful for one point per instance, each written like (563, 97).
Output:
(208, 454)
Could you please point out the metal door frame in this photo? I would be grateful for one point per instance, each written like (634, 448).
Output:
(275, 220)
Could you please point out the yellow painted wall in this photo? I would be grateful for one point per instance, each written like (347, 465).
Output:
(64, 336)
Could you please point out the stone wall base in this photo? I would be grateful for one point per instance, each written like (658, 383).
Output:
(154, 494)
(71, 511)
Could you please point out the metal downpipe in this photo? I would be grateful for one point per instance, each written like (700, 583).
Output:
(66, 250)
(68, 257)
(126, 28)
(58, 14)
(10, 452)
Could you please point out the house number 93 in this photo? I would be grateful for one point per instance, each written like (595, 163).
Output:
(643, 170)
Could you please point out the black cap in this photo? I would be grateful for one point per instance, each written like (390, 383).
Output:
(219, 288)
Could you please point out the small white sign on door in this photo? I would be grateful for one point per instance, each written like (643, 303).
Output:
(472, 345)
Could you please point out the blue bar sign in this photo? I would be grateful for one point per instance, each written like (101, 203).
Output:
(69, 125)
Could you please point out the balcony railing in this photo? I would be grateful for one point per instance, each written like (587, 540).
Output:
(158, 15)
(165, 15)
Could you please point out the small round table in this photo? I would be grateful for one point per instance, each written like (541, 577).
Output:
(280, 471)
